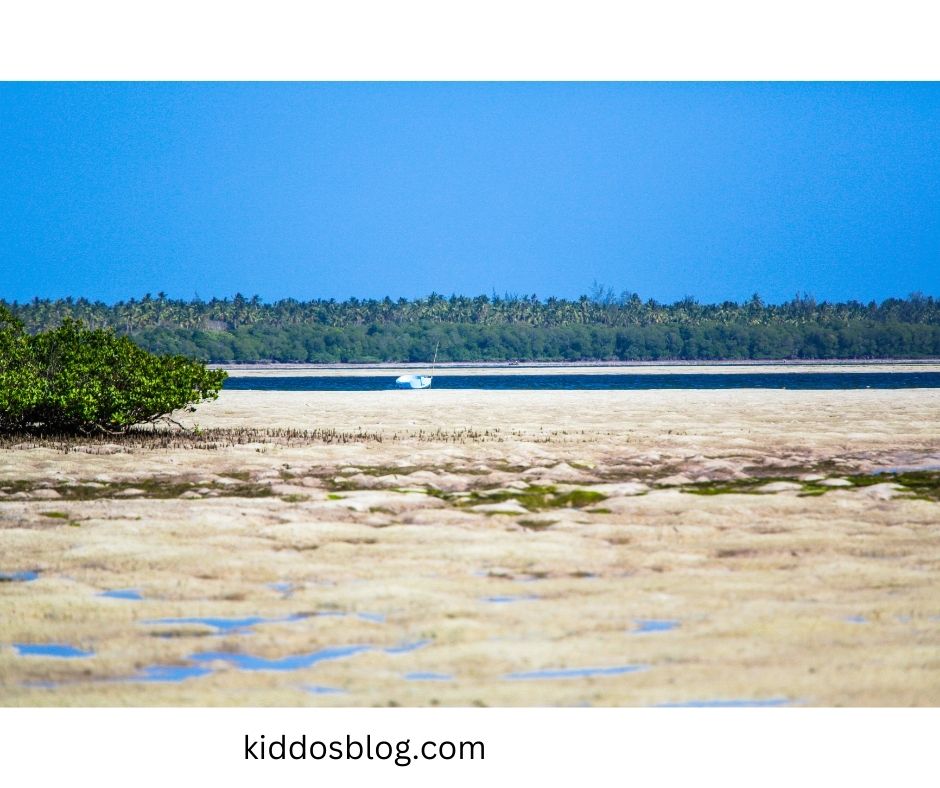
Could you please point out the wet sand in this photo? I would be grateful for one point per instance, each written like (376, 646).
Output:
(484, 548)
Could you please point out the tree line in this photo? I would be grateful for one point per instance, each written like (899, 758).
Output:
(597, 326)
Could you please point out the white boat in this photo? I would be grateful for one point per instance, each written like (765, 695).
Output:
(413, 381)
(418, 381)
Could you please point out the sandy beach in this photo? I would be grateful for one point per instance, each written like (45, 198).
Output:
(484, 548)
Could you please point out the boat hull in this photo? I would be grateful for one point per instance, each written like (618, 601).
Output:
(413, 382)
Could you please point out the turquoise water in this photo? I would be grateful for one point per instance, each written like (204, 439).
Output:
(807, 381)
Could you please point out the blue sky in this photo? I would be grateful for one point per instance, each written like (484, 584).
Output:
(332, 190)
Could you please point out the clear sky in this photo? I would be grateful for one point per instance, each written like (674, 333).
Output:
(332, 190)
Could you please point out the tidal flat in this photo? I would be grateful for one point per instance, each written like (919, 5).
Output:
(482, 548)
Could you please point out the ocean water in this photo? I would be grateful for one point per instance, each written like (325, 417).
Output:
(798, 381)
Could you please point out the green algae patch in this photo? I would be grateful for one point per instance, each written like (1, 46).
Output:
(745, 487)
(147, 487)
(242, 476)
(923, 485)
(536, 498)
(536, 525)
(752, 486)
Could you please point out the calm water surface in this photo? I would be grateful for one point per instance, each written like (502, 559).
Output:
(805, 381)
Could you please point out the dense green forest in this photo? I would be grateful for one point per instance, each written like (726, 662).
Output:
(598, 326)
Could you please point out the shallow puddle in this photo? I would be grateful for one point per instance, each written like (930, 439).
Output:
(159, 674)
(505, 600)
(856, 619)
(18, 577)
(574, 673)
(419, 676)
(286, 589)
(59, 650)
(375, 618)
(734, 703)
(318, 690)
(225, 625)
(175, 673)
(406, 647)
(39, 684)
(646, 625)
(122, 593)
(294, 662)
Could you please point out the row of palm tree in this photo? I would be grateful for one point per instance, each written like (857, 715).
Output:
(602, 307)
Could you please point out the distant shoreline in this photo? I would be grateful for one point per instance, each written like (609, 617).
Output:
(540, 364)
(584, 367)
